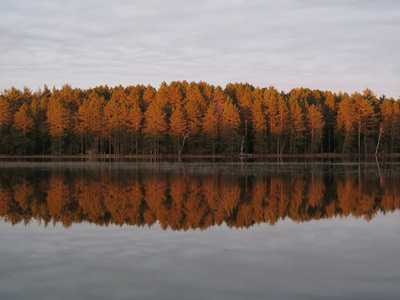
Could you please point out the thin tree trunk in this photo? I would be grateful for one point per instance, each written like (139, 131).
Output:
(359, 138)
(277, 145)
(183, 143)
(329, 139)
(245, 133)
(345, 142)
(283, 145)
(312, 140)
(379, 139)
(392, 139)
(232, 143)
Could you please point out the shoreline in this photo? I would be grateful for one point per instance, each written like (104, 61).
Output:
(195, 156)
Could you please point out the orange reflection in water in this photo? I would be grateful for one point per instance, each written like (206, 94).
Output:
(182, 202)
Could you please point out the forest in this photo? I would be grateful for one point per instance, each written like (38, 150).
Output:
(183, 118)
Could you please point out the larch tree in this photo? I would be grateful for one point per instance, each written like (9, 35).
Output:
(135, 116)
(135, 123)
(363, 116)
(71, 100)
(149, 95)
(162, 96)
(297, 125)
(14, 98)
(176, 94)
(390, 126)
(230, 127)
(330, 111)
(90, 121)
(113, 123)
(259, 121)
(316, 125)
(5, 123)
(218, 95)
(245, 101)
(172, 95)
(38, 108)
(155, 126)
(345, 122)
(135, 94)
(278, 114)
(58, 119)
(24, 125)
(211, 125)
(179, 128)
(194, 108)
(396, 109)
(5, 113)
(117, 119)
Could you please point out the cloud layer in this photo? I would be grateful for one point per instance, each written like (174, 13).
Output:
(339, 46)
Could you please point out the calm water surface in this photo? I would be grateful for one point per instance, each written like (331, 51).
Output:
(260, 230)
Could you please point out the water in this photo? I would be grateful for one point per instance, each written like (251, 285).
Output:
(260, 230)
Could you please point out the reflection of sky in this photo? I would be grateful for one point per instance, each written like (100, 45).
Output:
(348, 258)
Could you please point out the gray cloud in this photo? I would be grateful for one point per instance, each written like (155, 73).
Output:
(334, 46)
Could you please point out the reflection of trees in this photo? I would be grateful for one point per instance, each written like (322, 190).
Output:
(90, 200)
(357, 196)
(8, 207)
(59, 200)
(189, 202)
(155, 194)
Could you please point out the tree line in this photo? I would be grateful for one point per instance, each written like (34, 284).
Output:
(184, 202)
(196, 118)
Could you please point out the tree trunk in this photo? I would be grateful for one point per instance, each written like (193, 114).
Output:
(109, 144)
(365, 141)
(312, 141)
(277, 145)
(245, 134)
(183, 143)
(359, 138)
(392, 139)
(345, 142)
(379, 139)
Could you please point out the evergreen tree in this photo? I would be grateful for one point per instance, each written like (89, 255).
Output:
(345, 123)
(230, 127)
(24, 129)
(315, 124)
(179, 129)
(211, 126)
(58, 121)
(259, 121)
(155, 127)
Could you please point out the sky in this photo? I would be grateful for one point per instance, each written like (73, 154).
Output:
(340, 45)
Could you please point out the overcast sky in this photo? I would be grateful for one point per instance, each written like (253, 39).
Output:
(339, 45)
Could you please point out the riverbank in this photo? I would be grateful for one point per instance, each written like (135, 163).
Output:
(205, 156)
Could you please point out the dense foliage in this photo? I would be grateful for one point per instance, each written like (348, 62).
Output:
(196, 118)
